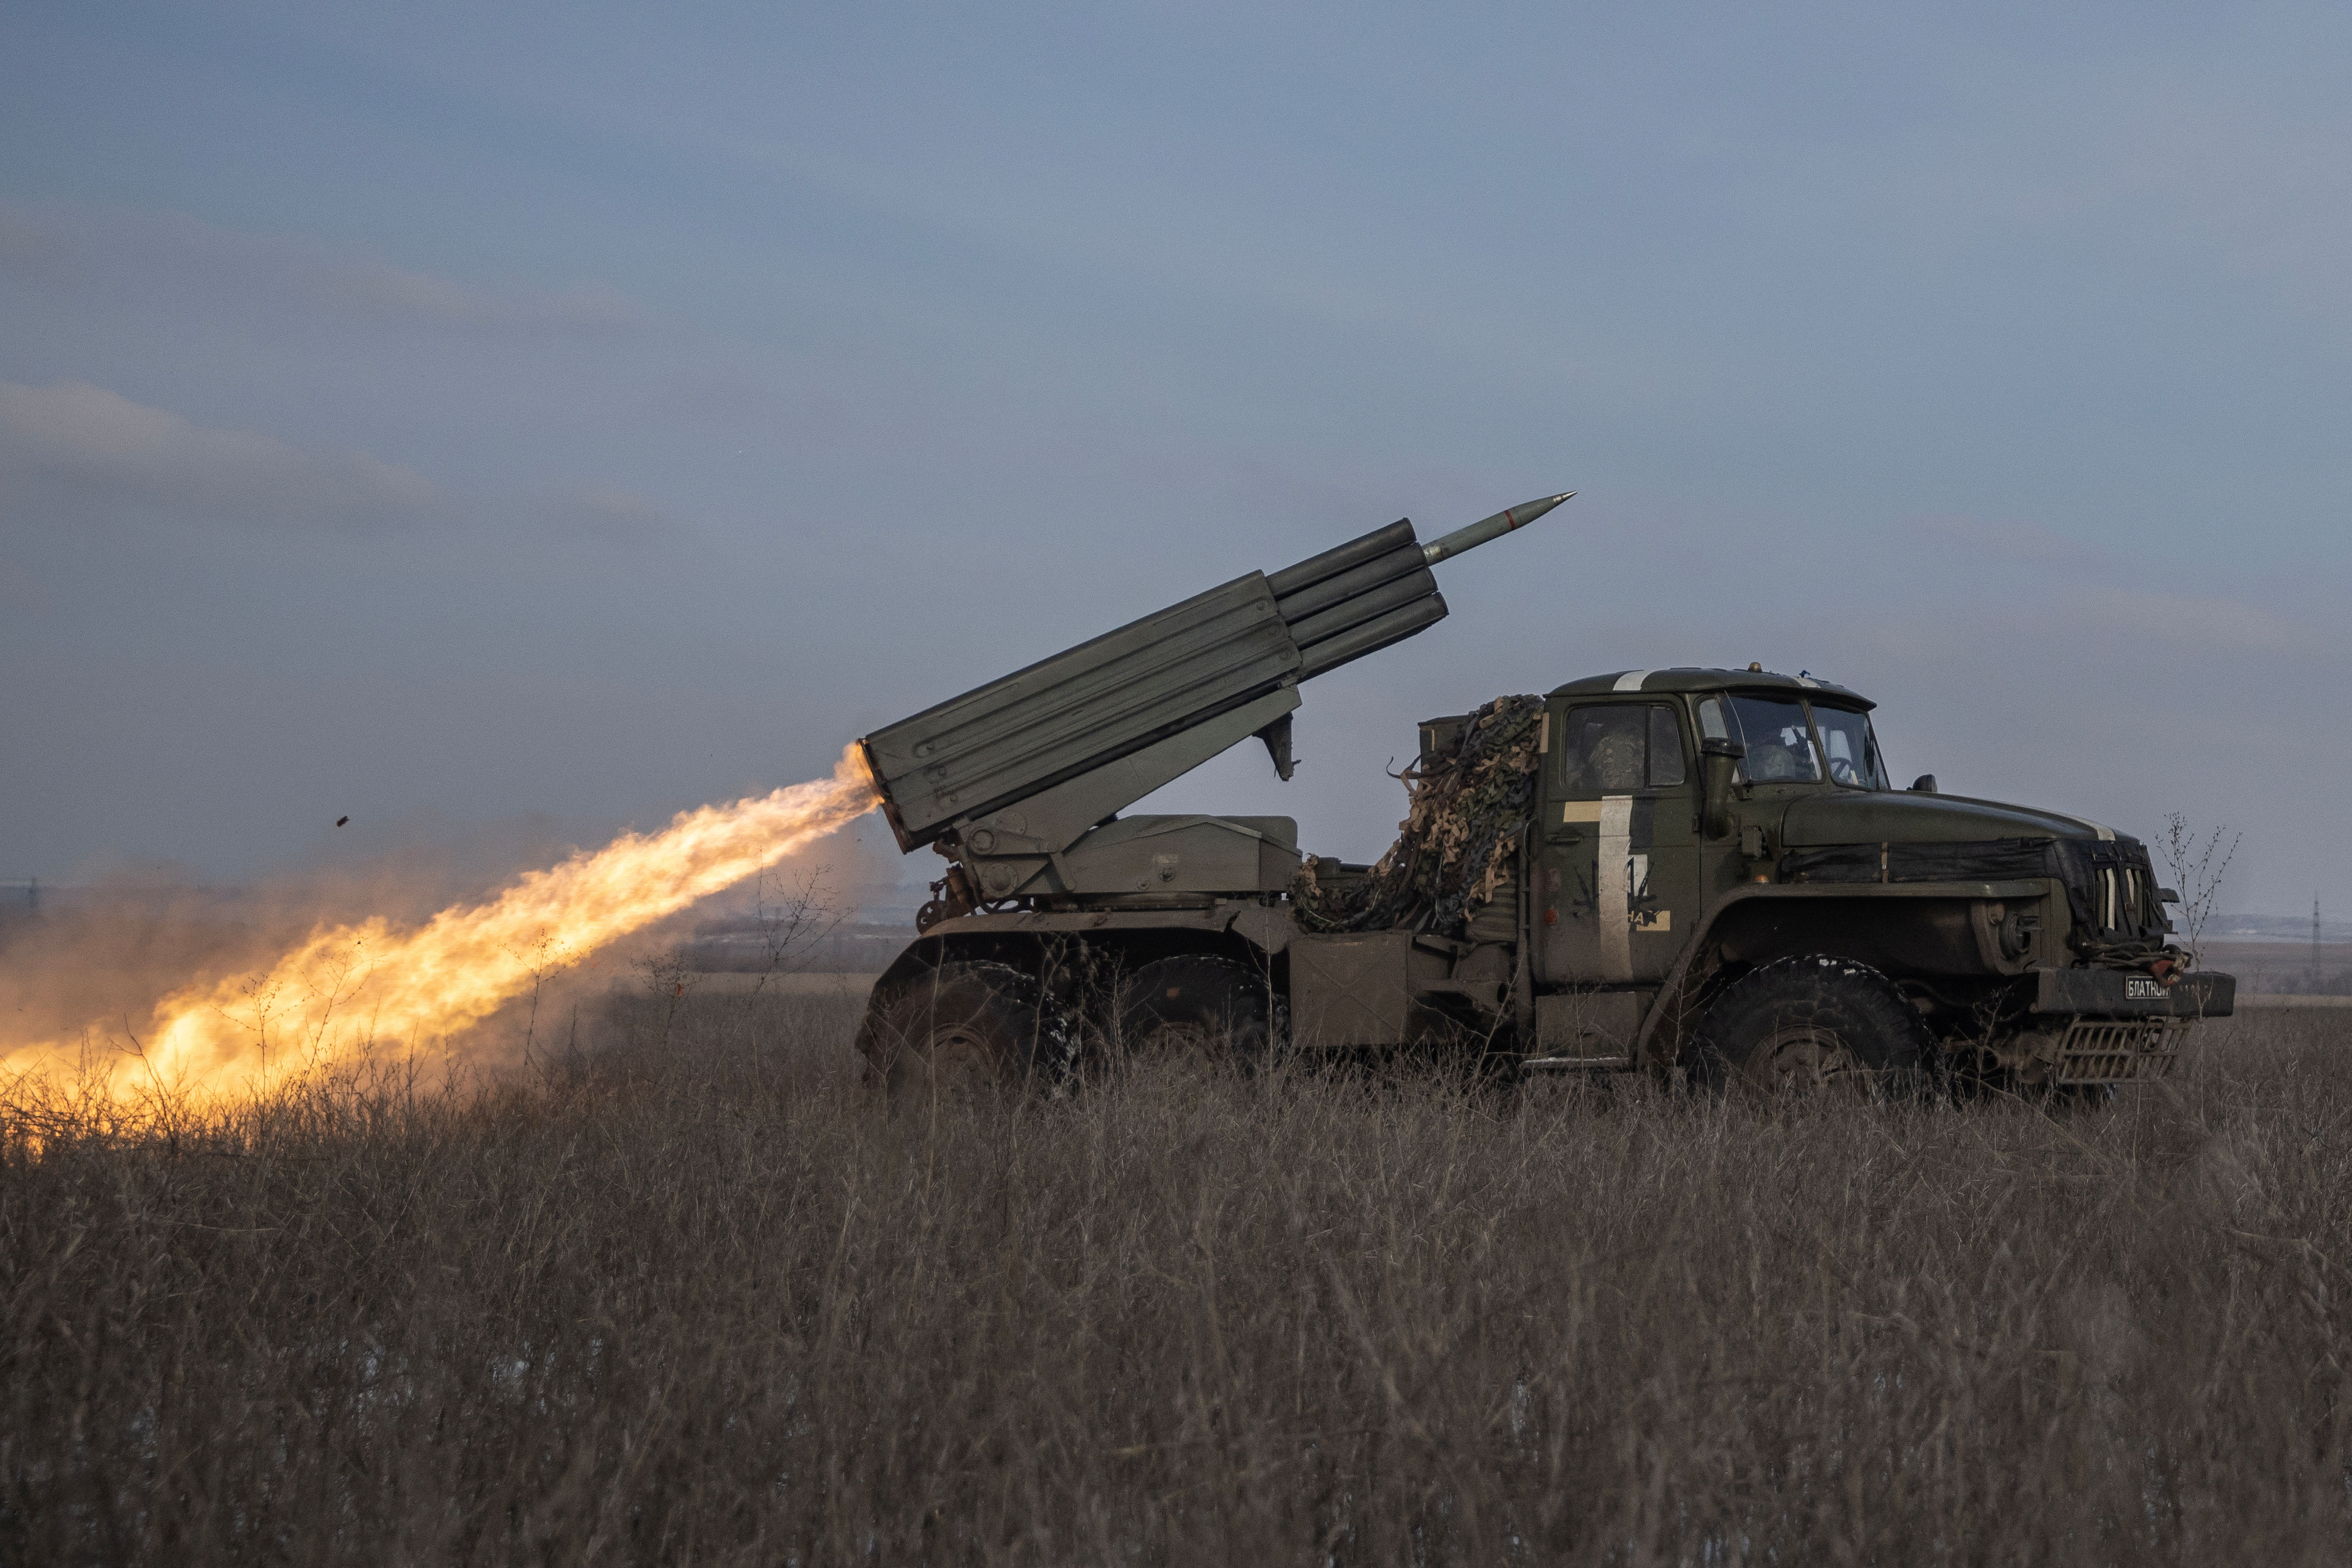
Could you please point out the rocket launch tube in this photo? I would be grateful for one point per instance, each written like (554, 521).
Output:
(1170, 672)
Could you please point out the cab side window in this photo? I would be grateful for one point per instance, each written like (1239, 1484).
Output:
(1621, 747)
(1666, 748)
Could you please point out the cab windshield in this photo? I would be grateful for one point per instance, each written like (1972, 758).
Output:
(1780, 742)
(1853, 749)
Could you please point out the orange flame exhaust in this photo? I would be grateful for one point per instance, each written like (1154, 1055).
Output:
(346, 987)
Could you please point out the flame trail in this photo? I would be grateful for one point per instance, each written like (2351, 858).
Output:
(346, 986)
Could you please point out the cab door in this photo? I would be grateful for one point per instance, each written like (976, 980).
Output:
(1619, 882)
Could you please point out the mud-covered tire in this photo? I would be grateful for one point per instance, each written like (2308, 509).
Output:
(1199, 1005)
(1813, 1023)
(964, 1030)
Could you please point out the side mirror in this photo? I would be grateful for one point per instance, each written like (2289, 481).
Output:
(1717, 755)
(1924, 785)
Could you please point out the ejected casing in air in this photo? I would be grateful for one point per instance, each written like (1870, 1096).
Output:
(1208, 656)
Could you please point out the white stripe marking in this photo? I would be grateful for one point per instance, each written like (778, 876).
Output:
(1616, 877)
(1632, 680)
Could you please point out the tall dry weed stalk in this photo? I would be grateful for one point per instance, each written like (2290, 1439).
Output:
(704, 1301)
(2196, 875)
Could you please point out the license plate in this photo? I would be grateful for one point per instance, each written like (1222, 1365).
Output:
(2143, 991)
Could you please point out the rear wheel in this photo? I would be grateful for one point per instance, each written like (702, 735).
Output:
(1815, 1024)
(965, 1030)
(1198, 1007)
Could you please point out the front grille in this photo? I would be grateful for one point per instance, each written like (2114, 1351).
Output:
(2111, 891)
(2123, 899)
(2097, 1050)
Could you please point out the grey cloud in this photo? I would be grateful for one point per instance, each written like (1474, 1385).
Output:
(608, 512)
(2184, 622)
(116, 250)
(381, 288)
(84, 450)
(79, 451)
(2006, 539)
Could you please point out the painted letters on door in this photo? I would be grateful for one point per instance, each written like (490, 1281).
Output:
(1619, 853)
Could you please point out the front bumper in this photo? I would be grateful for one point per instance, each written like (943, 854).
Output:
(2117, 1050)
(2125, 993)
(2116, 1026)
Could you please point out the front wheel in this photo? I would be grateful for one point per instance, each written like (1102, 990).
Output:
(1812, 1025)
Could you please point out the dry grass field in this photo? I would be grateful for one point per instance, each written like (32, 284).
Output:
(689, 1298)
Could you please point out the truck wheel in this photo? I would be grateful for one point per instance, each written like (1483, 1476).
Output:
(966, 1029)
(1194, 1005)
(1813, 1024)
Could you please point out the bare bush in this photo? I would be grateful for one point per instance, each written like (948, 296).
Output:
(689, 1295)
(2196, 876)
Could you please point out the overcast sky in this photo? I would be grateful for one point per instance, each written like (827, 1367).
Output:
(454, 414)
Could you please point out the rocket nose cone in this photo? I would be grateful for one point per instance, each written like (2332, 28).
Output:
(1526, 511)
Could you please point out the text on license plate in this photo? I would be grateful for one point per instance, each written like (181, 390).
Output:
(2143, 991)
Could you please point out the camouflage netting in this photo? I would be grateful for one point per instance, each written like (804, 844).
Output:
(1469, 810)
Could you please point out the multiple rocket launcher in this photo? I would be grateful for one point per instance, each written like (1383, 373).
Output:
(1024, 784)
(1026, 765)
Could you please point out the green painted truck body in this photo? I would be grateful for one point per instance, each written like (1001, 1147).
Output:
(1689, 826)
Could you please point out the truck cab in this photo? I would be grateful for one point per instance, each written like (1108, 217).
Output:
(1698, 825)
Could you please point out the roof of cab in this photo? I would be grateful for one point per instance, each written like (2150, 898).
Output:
(1689, 677)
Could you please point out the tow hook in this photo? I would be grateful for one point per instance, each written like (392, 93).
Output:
(2166, 971)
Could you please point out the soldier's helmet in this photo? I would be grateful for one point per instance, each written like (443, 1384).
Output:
(1775, 758)
(1617, 759)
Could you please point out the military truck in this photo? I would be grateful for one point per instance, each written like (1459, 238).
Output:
(1704, 874)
